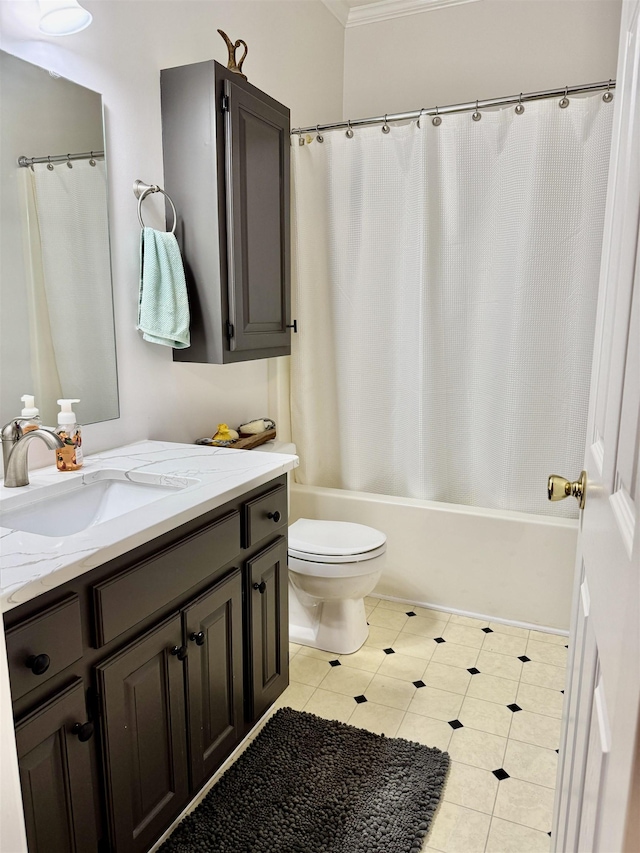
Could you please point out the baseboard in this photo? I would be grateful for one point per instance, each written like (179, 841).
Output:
(546, 629)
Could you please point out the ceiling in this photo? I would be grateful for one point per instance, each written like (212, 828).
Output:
(353, 13)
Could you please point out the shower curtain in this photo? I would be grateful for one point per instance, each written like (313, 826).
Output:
(69, 286)
(445, 286)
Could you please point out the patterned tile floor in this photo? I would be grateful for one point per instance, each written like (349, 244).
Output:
(489, 694)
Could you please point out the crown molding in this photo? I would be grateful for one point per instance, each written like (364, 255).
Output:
(339, 9)
(384, 10)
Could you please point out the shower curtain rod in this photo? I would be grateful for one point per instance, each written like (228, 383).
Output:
(461, 108)
(60, 158)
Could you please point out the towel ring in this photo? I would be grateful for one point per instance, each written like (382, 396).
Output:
(142, 190)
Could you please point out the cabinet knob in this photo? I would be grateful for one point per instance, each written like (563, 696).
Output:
(38, 664)
(84, 731)
(197, 638)
(179, 651)
(275, 516)
(260, 587)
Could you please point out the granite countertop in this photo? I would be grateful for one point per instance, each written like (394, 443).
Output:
(204, 478)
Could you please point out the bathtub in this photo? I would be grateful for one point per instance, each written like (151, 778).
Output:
(507, 566)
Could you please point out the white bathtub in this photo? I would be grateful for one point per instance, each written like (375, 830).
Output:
(508, 566)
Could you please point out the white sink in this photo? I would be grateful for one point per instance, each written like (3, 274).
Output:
(67, 508)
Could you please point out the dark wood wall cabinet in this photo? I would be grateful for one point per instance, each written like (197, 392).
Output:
(226, 167)
(134, 682)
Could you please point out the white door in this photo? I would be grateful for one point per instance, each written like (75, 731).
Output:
(597, 798)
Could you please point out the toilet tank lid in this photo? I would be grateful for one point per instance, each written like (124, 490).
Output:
(313, 536)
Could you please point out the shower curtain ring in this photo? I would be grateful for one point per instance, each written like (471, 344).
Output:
(385, 126)
(477, 115)
(349, 131)
(564, 102)
(519, 106)
(300, 139)
(420, 116)
(319, 136)
(69, 163)
(608, 95)
(436, 121)
(49, 164)
(92, 161)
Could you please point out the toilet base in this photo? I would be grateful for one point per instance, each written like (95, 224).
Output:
(333, 626)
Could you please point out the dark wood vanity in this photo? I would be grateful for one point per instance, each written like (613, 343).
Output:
(132, 683)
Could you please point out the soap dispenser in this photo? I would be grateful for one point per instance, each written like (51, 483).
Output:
(30, 416)
(69, 457)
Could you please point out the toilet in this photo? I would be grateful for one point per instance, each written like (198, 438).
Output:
(333, 565)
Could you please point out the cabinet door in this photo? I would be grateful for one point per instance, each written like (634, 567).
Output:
(144, 737)
(258, 242)
(213, 627)
(269, 620)
(55, 774)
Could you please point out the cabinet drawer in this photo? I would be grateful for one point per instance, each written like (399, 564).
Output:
(123, 601)
(44, 645)
(264, 515)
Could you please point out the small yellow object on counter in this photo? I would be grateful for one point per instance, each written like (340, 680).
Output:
(225, 434)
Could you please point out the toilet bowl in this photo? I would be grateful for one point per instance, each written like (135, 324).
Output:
(333, 565)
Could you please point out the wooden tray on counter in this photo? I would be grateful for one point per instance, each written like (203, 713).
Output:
(250, 441)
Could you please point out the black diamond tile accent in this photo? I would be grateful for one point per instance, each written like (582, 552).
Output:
(488, 630)
(562, 691)
(334, 663)
(524, 658)
(388, 651)
(566, 647)
(419, 684)
(455, 724)
(439, 640)
(474, 671)
(501, 774)
(549, 834)
(558, 751)
(514, 707)
(411, 613)
(360, 699)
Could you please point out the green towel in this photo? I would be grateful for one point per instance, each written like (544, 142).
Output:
(163, 307)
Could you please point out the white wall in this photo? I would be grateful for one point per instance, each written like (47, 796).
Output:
(295, 55)
(478, 50)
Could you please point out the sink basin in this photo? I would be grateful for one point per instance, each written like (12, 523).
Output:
(68, 508)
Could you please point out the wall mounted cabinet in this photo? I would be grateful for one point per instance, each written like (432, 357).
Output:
(226, 167)
(132, 683)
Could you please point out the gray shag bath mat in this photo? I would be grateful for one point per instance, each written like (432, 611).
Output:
(309, 785)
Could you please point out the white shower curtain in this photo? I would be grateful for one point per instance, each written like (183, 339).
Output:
(70, 301)
(445, 284)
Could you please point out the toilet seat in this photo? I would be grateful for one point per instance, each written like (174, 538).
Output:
(333, 543)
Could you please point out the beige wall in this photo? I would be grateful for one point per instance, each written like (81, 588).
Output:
(478, 50)
(295, 54)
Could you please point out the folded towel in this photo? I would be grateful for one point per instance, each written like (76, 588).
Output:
(163, 307)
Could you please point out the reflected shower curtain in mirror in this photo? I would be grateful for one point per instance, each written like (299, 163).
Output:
(445, 287)
(69, 285)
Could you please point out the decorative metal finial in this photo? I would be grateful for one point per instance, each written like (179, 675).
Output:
(232, 65)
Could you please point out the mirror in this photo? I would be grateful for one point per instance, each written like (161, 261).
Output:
(56, 320)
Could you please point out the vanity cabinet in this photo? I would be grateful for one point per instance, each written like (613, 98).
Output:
(160, 662)
(54, 757)
(226, 151)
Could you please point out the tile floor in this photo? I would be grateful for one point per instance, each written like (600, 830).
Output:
(489, 694)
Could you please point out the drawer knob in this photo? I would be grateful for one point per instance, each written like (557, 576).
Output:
(180, 652)
(275, 516)
(260, 587)
(84, 731)
(198, 638)
(38, 664)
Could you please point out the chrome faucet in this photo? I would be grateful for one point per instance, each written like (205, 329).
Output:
(15, 447)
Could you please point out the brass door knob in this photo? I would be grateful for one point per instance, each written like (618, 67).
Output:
(559, 488)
